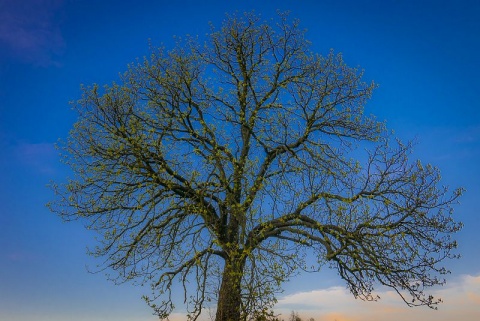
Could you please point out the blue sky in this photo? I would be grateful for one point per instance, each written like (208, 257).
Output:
(423, 54)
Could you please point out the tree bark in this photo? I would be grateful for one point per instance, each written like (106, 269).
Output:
(229, 298)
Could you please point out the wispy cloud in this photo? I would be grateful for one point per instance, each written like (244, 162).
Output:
(30, 32)
(450, 143)
(39, 157)
(461, 302)
(467, 135)
(22, 257)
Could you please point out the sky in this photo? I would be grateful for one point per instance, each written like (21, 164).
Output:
(423, 54)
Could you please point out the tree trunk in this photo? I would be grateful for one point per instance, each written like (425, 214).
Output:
(230, 299)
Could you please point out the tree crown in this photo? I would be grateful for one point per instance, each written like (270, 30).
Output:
(226, 164)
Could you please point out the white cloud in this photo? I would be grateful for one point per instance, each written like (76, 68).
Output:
(461, 302)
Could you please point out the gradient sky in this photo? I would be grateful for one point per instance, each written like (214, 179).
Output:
(424, 55)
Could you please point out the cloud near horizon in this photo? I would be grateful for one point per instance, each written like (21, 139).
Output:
(461, 301)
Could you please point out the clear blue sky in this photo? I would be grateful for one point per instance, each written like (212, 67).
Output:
(424, 55)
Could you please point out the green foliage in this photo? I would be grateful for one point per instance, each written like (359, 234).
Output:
(222, 166)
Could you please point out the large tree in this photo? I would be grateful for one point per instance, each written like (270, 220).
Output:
(228, 166)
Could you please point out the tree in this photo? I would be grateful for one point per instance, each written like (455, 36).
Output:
(294, 316)
(230, 166)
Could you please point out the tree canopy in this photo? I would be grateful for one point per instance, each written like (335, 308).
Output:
(221, 169)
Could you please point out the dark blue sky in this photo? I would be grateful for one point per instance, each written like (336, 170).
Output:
(424, 55)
